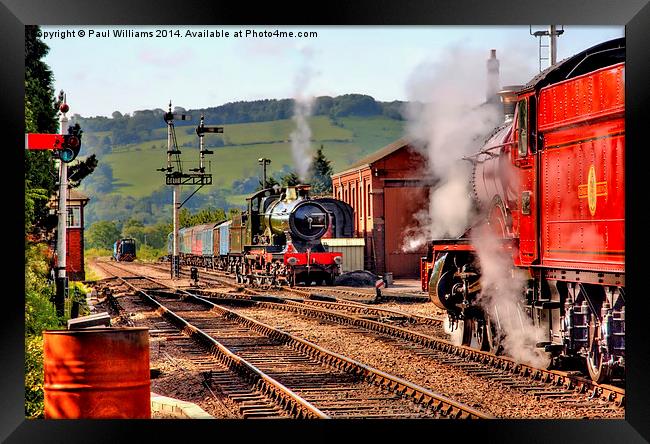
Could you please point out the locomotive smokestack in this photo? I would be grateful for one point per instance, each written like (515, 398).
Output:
(492, 78)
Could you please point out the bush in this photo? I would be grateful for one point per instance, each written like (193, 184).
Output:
(34, 405)
(40, 315)
(92, 253)
(77, 293)
(147, 253)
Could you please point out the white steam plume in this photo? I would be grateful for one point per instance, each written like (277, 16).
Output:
(446, 123)
(301, 137)
(502, 287)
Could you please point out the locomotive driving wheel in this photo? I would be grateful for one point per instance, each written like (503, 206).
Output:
(487, 337)
(597, 365)
(596, 359)
(480, 333)
(470, 329)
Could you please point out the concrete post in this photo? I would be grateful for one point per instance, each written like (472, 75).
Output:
(61, 278)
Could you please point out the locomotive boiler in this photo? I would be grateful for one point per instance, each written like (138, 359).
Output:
(550, 186)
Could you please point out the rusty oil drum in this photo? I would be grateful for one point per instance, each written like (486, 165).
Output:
(97, 373)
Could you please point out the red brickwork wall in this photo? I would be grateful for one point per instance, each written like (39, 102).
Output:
(75, 254)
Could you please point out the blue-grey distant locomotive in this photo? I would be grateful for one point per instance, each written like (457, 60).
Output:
(124, 250)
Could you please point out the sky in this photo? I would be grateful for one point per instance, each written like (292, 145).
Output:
(102, 74)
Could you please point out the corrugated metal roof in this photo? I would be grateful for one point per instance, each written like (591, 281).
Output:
(377, 155)
(203, 226)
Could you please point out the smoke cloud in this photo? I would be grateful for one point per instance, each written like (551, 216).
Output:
(448, 119)
(301, 137)
(446, 123)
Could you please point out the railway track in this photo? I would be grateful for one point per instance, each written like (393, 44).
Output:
(223, 278)
(422, 336)
(306, 378)
(527, 378)
(309, 297)
(566, 388)
(237, 397)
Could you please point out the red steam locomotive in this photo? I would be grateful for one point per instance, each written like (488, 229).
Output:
(550, 187)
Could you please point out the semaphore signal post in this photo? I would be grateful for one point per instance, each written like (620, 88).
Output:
(65, 147)
(175, 176)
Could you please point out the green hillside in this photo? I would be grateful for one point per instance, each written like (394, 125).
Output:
(345, 140)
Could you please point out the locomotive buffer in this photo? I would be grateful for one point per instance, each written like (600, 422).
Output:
(174, 174)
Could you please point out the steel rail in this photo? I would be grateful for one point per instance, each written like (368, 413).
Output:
(287, 399)
(440, 403)
(346, 305)
(366, 309)
(558, 378)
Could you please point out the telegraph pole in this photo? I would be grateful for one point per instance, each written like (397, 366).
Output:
(176, 192)
(553, 33)
(61, 277)
(553, 48)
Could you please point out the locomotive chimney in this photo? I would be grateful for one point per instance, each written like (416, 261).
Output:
(492, 78)
(509, 99)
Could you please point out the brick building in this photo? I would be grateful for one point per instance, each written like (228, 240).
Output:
(74, 234)
(386, 189)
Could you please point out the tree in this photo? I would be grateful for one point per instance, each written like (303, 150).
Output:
(270, 183)
(321, 173)
(184, 218)
(354, 105)
(101, 181)
(80, 170)
(34, 197)
(135, 229)
(40, 117)
(290, 180)
(207, 215)
(39, 92)
(102, 234)
(157, 235)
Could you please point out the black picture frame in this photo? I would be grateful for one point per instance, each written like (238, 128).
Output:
(633, 14)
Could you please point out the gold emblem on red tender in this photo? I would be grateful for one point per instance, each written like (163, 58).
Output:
(592, 190)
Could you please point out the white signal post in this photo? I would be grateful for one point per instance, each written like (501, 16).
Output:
(176, 192)
(61, 286)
